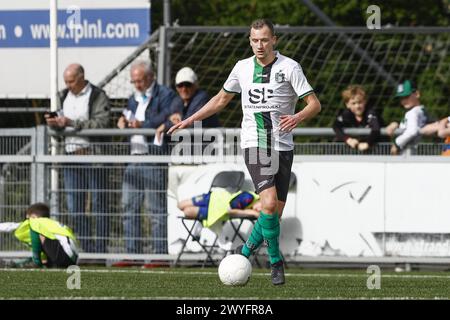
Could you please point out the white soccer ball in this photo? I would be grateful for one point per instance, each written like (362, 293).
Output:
(235, 270)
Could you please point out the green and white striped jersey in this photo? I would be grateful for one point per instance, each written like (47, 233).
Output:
(267, 93)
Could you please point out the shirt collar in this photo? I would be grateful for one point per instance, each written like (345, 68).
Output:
(271, 63)
(148, 93)
(83, 91)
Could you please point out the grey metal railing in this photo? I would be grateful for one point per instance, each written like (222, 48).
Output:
(26, 166)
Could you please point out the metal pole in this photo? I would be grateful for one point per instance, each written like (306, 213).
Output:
(38, 181)
(53, 55)
(53, 94)
(167, 22)
(167, 13)
(162, 55)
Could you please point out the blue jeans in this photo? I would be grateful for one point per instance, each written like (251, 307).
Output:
(79, 179)
(145, 182)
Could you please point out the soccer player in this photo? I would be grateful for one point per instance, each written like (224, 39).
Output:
(270, 85)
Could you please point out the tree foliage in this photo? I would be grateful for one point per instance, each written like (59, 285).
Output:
(296, 13)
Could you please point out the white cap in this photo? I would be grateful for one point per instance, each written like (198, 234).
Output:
(186, 74)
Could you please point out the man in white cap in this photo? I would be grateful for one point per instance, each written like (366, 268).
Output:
(189, 100)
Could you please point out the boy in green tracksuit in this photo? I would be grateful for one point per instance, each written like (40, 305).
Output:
(53, 244)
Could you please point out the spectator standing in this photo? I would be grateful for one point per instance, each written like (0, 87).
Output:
(83, 106)
(148, 107)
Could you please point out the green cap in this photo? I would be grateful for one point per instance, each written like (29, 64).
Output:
(405, 89)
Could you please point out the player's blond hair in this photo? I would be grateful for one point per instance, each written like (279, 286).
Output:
(353, 90)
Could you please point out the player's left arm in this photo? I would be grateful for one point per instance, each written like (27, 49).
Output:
(312, 108)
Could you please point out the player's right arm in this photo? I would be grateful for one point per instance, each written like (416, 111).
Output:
(213, 106)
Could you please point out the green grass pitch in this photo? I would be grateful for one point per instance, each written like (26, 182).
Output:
(187, 283)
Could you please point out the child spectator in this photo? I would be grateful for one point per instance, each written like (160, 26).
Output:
(415, 118)
(357, 116)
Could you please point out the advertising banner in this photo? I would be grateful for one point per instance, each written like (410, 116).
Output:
(350, 209)
(98, 34)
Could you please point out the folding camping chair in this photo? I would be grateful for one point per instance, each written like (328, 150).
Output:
(231, 181)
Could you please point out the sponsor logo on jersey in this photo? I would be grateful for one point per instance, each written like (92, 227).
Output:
(261, 95)
(280, 77)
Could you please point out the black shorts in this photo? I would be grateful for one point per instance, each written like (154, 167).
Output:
(269, 169)
(56, 256)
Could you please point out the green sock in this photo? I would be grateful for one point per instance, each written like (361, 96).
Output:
(254, 241)
(271, 232)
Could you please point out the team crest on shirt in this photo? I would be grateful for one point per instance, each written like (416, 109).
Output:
(280, 77)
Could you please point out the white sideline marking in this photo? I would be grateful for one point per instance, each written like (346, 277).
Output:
(140, 298)
(226, 298)
(341, 275)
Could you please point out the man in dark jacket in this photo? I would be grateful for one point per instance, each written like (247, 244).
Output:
(189, 100)
(148, 107)
(83, 106)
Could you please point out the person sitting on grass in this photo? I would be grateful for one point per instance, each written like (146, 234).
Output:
(219, 205)
(53, 244)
